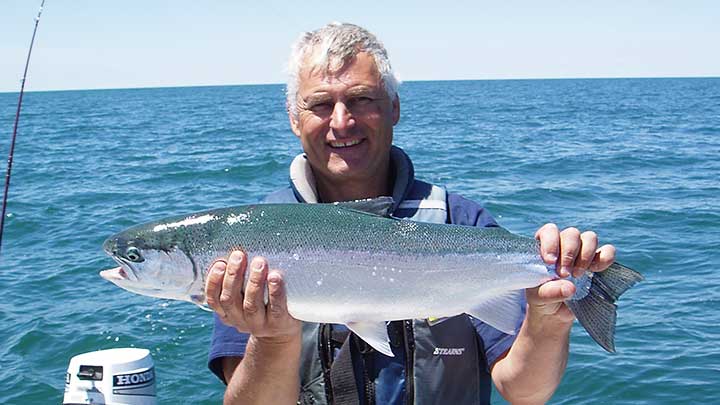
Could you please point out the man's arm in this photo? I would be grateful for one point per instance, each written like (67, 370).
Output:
(268, 372)
(532, 369)
(229, 364)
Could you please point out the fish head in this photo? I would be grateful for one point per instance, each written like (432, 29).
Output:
(152, 263)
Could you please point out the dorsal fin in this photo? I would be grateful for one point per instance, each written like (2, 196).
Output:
(378, 206)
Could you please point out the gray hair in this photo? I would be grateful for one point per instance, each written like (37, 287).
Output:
(337, 44)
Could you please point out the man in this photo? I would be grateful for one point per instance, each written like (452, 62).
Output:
(342, 103)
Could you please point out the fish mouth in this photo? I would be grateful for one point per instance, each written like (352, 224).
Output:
(114, 274)
(124, 272)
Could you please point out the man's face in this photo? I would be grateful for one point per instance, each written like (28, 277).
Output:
(345, 121)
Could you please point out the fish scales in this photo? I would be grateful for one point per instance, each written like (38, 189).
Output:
(345, 250)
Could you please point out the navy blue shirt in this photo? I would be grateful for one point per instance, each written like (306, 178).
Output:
(388, 372)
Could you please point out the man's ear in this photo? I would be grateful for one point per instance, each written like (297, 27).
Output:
(396, 109)
(294, 124)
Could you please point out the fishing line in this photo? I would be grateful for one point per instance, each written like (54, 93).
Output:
(15, 127)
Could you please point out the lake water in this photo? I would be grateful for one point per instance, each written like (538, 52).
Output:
(637, 160)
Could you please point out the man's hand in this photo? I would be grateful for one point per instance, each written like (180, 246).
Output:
(533, 367)
(246, 310)
(573, 253)
(268, 371)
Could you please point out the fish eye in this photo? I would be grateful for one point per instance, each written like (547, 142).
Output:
(133, 254)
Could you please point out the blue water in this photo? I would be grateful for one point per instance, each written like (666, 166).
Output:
(637, 160)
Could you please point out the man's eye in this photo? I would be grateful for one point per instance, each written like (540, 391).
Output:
(358, 104)
(321, 107)
(361, 100)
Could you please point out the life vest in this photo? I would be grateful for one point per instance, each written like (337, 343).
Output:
(445, 360)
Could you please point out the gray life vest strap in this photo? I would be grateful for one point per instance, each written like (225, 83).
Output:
(342, 376)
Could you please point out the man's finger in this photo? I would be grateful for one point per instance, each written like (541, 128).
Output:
(231, 293)
(569, 248)
(254, 301)
(548, 299)
(213, 286)
(277, 299)
(604, 257)
(549, 237)
(587, 253)
(554, 291)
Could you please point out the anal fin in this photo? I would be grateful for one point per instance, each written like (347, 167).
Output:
(503, 312)
(373, 333)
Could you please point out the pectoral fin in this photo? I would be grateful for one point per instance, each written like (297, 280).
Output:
(199, 300)
(504, 312)
(374, 334)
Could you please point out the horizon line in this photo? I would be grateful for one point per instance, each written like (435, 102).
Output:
(403, 81)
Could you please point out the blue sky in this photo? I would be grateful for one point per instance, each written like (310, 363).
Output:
(85, 44)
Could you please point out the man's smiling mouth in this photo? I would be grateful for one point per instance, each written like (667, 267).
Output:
(345, 144)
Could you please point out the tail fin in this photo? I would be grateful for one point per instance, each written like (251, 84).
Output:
(597, 311)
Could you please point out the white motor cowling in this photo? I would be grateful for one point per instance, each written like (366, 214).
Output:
(116, 376)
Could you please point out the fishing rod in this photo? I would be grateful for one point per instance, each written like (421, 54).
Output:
(15, 127)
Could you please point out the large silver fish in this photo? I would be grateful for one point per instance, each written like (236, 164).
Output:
(351, 263)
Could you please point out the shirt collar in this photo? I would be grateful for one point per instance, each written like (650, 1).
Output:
(303, 180)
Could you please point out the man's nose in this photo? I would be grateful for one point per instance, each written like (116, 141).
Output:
(341, 117)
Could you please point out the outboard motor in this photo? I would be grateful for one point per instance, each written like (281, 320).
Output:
(111, 377)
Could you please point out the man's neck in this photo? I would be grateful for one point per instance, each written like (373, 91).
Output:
(353, 190)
